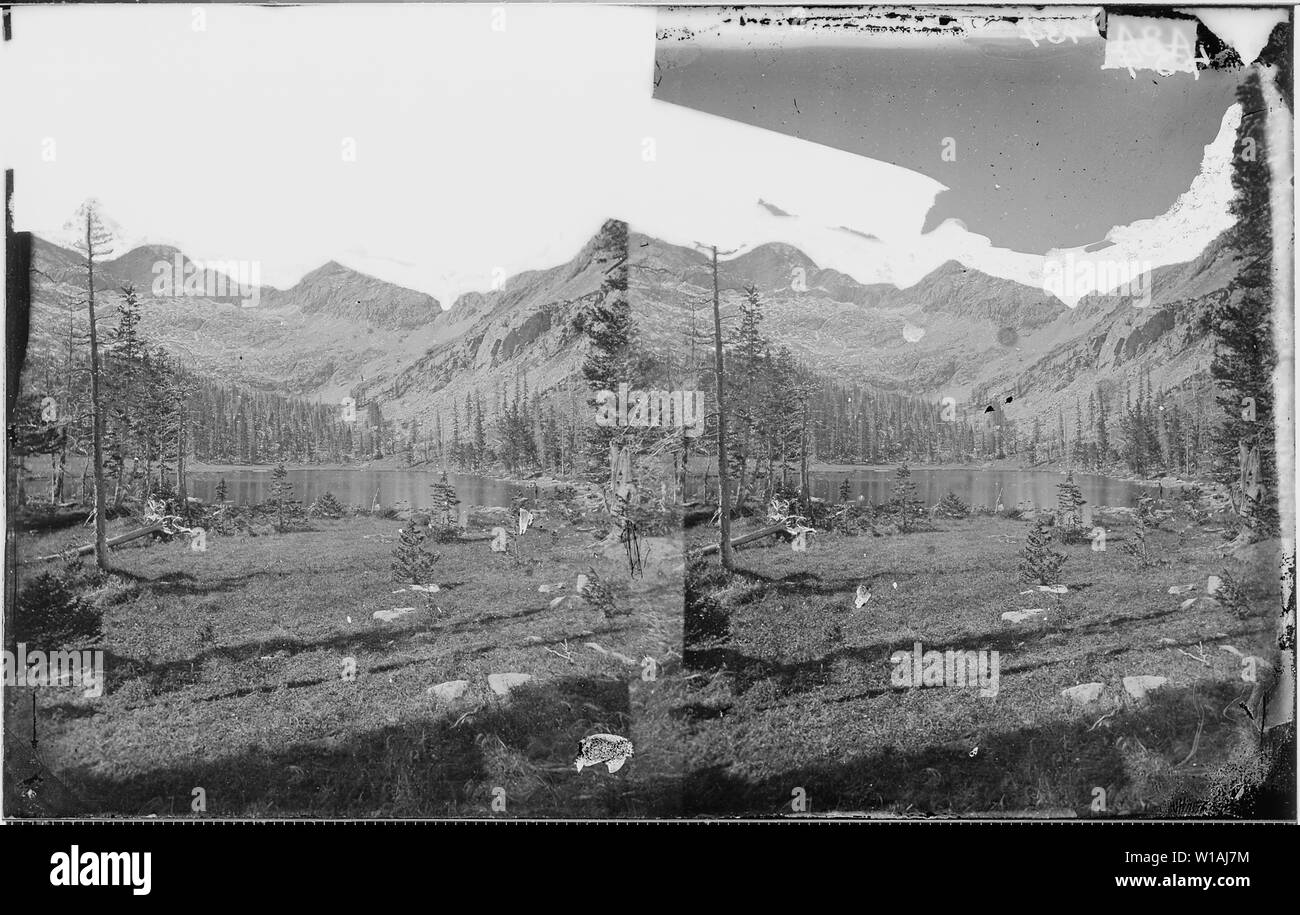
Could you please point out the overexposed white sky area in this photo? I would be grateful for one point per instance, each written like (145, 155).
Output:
(477, 149)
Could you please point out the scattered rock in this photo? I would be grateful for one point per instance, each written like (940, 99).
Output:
(449, 691)
(1019, 616)
(1084, 693)
(502, 684)
(1138, 687)
(388, 616)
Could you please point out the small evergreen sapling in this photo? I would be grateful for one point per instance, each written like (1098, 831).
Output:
(412, 564)
(1039, 563)
(282, 500)
(1069, 510)
(952, 506)
(444, 501)
(903, 500)
(326, 506)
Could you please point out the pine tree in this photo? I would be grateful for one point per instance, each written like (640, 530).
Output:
(1242, 326)
(1039, 563)
(480, 437)
(903, 500)
(599, 595)
(1077, 451)
(282, 499)
(952, 506)
(1069, 508)
(457, 448)
(412, 564)
(326, 506)
(219, 492)
(1103, 433)
(608, 327)
(443, 499)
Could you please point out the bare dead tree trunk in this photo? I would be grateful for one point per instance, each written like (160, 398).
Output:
(96, 413)
(724, 487)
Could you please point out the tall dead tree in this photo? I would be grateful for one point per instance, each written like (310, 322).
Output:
(95, 241)
(724, 477)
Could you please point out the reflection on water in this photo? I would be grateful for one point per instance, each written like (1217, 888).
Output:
(982, 487)
(411, 487)
(403, 488)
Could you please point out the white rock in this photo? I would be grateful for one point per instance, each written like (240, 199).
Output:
(502, 684)
(1054, 589)
(1138, 687)
(429, 589)
(582, 583)
(1181, 589)
(547, 589)
(1213, 584)
(1019, 616)
(388, 616)
(556, 601)
(1084, 693)
(449, 691)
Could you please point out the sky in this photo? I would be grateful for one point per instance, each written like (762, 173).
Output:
(439, 147)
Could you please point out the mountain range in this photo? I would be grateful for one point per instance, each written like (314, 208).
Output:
(957, 332)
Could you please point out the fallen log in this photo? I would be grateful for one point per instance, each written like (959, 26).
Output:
(112, 541)
(487, 535)
(747, 538)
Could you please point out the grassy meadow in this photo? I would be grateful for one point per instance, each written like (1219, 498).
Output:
(787, 684)
(226, 671)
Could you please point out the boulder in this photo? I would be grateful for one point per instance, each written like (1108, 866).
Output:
(387, 616)
(1084, 693)
(1138, 687)
(502, 684)
(1020, 616)
(449, 691)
